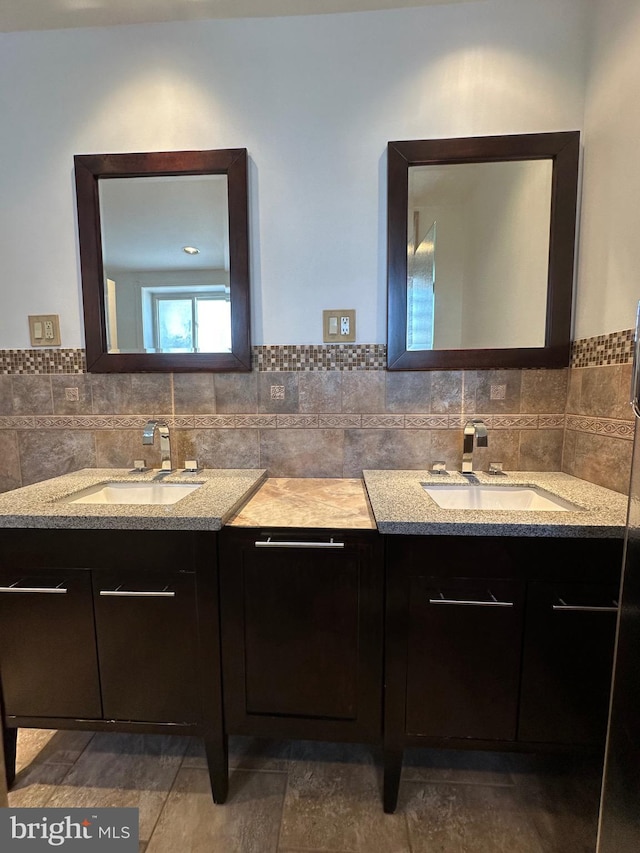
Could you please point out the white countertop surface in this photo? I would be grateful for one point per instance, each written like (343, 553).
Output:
(44, 504)
(400, 505)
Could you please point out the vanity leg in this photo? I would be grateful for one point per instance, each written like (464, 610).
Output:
(391, 784)
(10, 743)
(217, 750)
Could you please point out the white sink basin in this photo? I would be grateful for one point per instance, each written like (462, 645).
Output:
(134, 493)
(482, 497)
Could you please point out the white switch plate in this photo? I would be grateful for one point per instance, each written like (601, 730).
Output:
(44, 330)
(339, 326)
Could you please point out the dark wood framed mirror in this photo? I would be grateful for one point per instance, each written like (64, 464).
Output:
(164, 256)
(481, 240)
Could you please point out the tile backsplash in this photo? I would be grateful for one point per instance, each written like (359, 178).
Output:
(328, 415)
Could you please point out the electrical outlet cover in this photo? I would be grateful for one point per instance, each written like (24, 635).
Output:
(334, 321)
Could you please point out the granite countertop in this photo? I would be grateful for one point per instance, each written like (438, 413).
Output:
(207, 508)
(400, 505)
(326, 503)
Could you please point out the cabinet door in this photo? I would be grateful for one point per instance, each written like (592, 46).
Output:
(463, 658)
(146, 628)
(302, 635)
(47, 644)
(567, 662)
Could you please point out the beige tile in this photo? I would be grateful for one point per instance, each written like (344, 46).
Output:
(599, 390)
(363, 392)
(541, 449)
(236, 393)
(544, 391)
(48, 453)
(79, 384)
(48, 746)
(218, 448)
(467, 767)
(134, 771)
(119, 448)
(385, 449)
(302, 452)
(320, 391)
(408, 392)
(6, 396)
(569, 451)
(151, 393)
(32, 395)
(247, 823)
(446, 446)
(36, 785)
(111, 394)
(194, 393)
(10, 476)
(477, 391)
(336, 805)
(468, 819)
(603, 460)
(278, 379)
(622, 408)
(503, 446)
(574, 389)
(446, 391)
(245, 753)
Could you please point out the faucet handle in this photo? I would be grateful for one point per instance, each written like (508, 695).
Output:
(496, 468)
(139, 465)
(439, 468)
(191, 465)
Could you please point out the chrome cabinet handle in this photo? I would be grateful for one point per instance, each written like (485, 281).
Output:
(283, 544)
(45, 590)
(471, 602)
(130, 593)
(585, 608)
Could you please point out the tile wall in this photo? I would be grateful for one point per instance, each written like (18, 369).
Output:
(314, 412)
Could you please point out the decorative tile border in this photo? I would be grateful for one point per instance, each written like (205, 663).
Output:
(601, 426)
(616, 348)
(300, 358)
(42, 361)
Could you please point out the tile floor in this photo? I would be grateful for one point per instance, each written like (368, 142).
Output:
(303, 797)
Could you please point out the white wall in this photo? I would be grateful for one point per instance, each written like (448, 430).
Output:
(609, 266)
(314, 99)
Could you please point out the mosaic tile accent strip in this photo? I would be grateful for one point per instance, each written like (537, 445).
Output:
(616, 348)
(42, 361)
(293, 358)
(602, 426)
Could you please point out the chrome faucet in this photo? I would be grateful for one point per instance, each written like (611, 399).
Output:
(165, 445)
(473, 429)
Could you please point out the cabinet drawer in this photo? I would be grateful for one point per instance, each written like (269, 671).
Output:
(463, 657)
(567, 662)
(47, 644)
(146, 628)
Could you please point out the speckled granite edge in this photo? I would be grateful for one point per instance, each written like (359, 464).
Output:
(401, 506)
(44, 505)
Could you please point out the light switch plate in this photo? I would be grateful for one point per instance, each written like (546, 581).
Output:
(44, 330)
(333, 322)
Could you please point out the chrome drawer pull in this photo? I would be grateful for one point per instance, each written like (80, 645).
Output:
(585, 608)
(130, 593)
(269, 544)
(471, 603)
(46, 590)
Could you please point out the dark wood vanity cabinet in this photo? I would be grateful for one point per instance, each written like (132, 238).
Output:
(497, 642)
(112, 630)
(302, 622)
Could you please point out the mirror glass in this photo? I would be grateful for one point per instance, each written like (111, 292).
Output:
(165, 261)
(165, 251)
(481, 236)
(477, 255)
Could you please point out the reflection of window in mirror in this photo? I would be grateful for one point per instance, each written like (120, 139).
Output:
(421, 281)
(165, 242)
